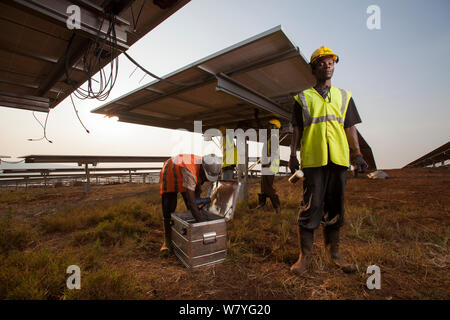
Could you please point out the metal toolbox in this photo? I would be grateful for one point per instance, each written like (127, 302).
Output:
(203, 243)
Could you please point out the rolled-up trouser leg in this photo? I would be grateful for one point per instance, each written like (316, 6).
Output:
(169, 205)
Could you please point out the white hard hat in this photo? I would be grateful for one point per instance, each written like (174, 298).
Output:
(212, 165)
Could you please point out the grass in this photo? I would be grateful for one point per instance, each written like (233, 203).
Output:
(13, 236)
(33, 275)
(115, 241)
(41, 275)
(18, 196)
(110, 232)
(106, 284)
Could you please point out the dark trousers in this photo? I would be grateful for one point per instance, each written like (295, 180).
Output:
(267, 185)
(169, 203)
(323, 190)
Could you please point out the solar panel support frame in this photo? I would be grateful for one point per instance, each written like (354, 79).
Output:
(56, 11)
(238, 90)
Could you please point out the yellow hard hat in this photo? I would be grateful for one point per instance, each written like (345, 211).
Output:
(276, 122)
(322, 52)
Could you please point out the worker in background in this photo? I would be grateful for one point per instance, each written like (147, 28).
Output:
(185, 173)
(324, 119)
(229, 157)
(270, 166)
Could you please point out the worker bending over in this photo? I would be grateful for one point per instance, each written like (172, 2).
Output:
(324, 119)
(185, 173)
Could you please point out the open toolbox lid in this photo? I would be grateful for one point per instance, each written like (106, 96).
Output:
(224, 195)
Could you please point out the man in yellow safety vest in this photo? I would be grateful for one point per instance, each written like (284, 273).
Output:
(324, 119)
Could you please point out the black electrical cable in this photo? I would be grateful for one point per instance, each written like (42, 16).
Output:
(92, 59)
(183, 84)
(139, 14)
(92, 62)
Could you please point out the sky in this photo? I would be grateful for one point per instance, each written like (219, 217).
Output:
(398, 75)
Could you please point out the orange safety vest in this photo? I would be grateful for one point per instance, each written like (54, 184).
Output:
(170, 178)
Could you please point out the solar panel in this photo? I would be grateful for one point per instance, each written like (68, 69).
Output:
(89, 159)
(263, 72)
(440, 154)
(37, 47)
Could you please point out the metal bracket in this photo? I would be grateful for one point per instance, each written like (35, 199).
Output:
(90, 21)
(27, 102)
(236, 89)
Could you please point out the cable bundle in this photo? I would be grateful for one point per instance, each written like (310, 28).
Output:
(102, 48)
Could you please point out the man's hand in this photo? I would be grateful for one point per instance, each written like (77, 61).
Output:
(193, 206)
(361, 164)
(293, 164)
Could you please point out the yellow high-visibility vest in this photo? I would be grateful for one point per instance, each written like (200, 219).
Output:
(229, 150)
(323, 127)
(275, 163)
(274, 158)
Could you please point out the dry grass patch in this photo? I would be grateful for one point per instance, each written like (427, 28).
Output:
(114, 235)
(107, 284)
(13, 236)
(33, 275)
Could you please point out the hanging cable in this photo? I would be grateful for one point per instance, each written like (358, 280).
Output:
(44, 127)
(102, 48)
(139, 14)
(76, 112)
(185, 84)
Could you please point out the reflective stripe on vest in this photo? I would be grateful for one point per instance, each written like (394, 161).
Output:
(170, 177)
(307, 117)
(323, 127)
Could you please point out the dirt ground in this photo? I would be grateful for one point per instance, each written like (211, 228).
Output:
(400, 224)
